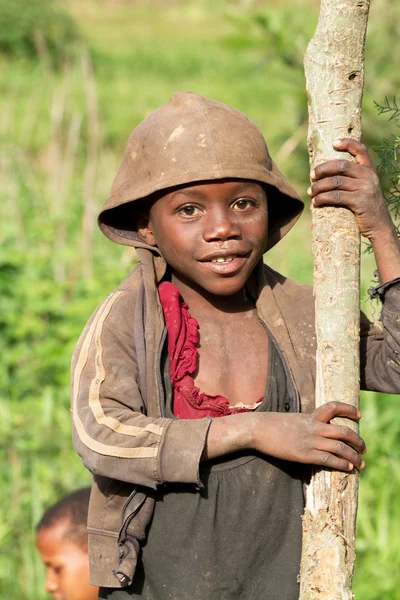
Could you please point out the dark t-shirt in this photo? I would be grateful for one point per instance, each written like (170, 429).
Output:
(239, 537)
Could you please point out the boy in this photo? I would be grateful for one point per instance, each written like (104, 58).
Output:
(61, 539)
(193, 382)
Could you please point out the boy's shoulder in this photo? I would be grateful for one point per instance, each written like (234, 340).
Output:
(114, 312)
(293, 304)
(132, 282)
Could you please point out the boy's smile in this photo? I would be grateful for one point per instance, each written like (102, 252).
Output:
(211, 234)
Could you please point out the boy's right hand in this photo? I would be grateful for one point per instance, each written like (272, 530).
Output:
(311, 439)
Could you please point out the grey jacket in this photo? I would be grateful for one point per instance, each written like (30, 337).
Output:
(119, 427)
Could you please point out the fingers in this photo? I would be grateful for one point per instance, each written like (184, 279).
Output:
(328, 411)
(331, 461)
(356, 149)
(343, 434)
(354, 199)
(336, 177)
(329, 191)
(344, 167)
(336, 454)
(352, 184)
(337, 446)
(331, 168)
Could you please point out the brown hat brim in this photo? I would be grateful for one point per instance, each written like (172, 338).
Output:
(191, 139)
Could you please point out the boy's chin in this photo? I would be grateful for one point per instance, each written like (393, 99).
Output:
(225, 287)
(212, 284)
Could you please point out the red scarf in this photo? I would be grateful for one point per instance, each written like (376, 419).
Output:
(187, 400)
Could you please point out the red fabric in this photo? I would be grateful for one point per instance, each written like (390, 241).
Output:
(187, 400)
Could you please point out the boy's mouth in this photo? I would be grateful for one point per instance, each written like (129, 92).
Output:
(223, 259)
(223, 256)
(225, 264)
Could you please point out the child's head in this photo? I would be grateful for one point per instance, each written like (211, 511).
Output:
(196, 147)
(61, 539)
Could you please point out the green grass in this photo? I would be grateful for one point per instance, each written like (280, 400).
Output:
(62, 133)
(378, 524)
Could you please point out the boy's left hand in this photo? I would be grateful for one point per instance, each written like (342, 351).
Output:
(354, 185)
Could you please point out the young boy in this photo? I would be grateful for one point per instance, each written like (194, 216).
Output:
(61, 539)
(193, 382)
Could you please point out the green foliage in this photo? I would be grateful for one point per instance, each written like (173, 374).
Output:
(388, 151)
(279, 33)
(389, 107)
(37, 28)
(378, 523)
(61, 139)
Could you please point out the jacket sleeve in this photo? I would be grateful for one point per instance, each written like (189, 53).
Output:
(111, 431)
(380, 347)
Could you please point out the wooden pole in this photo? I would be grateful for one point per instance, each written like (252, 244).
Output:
(334, 70)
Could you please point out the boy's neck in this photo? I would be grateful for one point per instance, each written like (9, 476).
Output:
(202, 302)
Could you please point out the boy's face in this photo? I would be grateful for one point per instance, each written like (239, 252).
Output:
(211, 234)
(67, 565)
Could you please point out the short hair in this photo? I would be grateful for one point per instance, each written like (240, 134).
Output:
(74, 509)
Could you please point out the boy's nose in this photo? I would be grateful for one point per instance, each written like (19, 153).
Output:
(220, 227)
(50, 584)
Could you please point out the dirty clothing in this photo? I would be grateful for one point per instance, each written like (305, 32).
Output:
(120, 372)
(239, 537)
(121, 429)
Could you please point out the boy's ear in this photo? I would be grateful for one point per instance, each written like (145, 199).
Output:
(145, 232)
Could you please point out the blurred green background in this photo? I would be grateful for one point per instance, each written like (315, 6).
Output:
(76, 77)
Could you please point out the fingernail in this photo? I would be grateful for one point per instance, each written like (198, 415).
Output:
(351, 466)
(362, 465)
(312, 174)
(359, 414)
(337, 142)
(309, 191)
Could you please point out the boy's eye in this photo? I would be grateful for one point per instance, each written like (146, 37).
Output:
(189, 210)
(57, 569)
(243, 204)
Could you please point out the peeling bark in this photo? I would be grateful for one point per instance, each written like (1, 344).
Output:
(334, 70)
